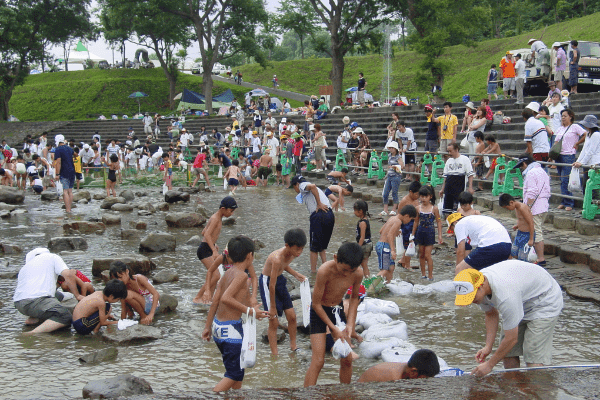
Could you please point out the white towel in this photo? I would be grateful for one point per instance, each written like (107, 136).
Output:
(125, 323)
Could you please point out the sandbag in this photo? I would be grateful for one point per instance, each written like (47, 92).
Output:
(373, 348)
(368, 319)
(445, 286)
(381, 306)
(422, 289)
(400, 288)
(393, 329)
(398, 353)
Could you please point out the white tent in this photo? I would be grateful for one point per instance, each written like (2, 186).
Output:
(80, 57)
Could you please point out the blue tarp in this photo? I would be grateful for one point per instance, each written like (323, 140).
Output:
(225, 97)
(189, 96)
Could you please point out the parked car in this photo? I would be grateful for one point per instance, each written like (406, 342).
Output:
(103, 65)
(197, 68)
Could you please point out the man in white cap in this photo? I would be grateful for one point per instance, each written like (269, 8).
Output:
(87, 156)
(536, 135)
(528, 299)
(148, 120)
(539, 54)
(36, 291)
(65, 169)
(561, 64)
(258, 125)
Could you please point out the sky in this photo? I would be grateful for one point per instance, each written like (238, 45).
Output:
(102, 49)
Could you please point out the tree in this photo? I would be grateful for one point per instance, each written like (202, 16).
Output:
(24, 27)
(299, 17)
(224, 28)
(348, 22)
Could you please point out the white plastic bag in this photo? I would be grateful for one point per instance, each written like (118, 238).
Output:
(486, 161)
(165, 188)
(306, 299)
(465, 142)
(248, 354)
(340, 349)
(224, 184)
(59, 188)
(440, 204)
(411, 251)
(399, 248)
(220, 174)
(574, 180)
(531, 254)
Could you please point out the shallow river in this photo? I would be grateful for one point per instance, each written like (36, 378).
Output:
(46, 365)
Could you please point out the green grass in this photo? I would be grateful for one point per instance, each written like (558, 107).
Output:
(468, 66)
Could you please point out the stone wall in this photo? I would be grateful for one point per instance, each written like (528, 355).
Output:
(15, 132)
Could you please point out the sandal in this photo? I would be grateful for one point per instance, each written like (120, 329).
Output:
(383, 213)
(392, 212)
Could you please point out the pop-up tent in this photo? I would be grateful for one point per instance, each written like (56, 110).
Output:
(81, 54)
(195, 101)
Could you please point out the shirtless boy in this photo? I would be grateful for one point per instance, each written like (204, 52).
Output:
(412, 198)
(264, 170)
(333, 280)
(6, 177)
(232, 176)
(386, 246)
(93, 311)
(231, 300)
(273, 290)
(335, 177)
(524, 227)
(208, 250)
(338, 202)
(422, 364)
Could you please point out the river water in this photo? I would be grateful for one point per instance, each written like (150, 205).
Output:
(181, 365)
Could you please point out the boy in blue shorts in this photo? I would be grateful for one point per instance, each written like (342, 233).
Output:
(93, 311)
(231, 300)
(273, 290)
(525, 227)
(412, 198)
(386, 246)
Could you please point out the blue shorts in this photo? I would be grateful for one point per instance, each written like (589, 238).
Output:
(228, 337)
(321, 229)
(233, 182)
(87, 325)
(38, 188)
(327, 192)
(67, 183)
(384, 256)
(425, 236)
(407, 231)
(467, 245)
(492, 88)
(283, 301)
(518, 245)
(483, 257)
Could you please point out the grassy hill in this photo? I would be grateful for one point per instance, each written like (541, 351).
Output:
(85, 94)
(469, 66)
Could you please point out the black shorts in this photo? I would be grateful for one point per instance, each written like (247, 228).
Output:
(409, 158)
(283, 301)
(204, 251)
(317, 325)
(264, 172)
(321, 229)
(78, 176)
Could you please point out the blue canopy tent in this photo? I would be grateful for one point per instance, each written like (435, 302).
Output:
(195, 101)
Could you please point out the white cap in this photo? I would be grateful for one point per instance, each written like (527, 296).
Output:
(86, 146)
(556, 44)
(283, 120)
(534, 106)
(358, 130)
(392, 145)
(59, 139)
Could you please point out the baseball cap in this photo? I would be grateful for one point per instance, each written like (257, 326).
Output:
(466, 283)
(359, 130)
(518, 55)
(452, 218)
(86, 146)
(428, 107)
(508, 53)
(297, 179)
(59, 139)
(283, 120)
(524, 158)
(228, 202)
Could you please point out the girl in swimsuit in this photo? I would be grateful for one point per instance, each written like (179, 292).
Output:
(141, 295)
(113, 167)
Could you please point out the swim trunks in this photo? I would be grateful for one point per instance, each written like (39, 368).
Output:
(228, 338)
(317, 325)
(283, 301)
(87, 325)
(204, 251)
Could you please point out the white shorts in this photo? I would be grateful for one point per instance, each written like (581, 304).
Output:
(509, 84)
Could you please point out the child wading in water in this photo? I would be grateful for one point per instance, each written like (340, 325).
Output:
(232, 176)
(424, 229)
(273, 290)
(363, 233)
(94, 310)
(168, 175)
(141, 295)
(113, 167)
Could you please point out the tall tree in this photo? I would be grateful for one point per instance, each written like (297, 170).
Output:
(224, 28)
(299, 17)
(349, 22)
(24, 24)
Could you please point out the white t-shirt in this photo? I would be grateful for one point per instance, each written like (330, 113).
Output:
(520, 69)
(148, 120)
(521, 291)
(38, 277)
(86, 156)
(309, 199)
(407, 136)
(537, 46)
(110, 149)
(480, 231)
(271, 121)
(555, 111)
(535, 132)
(256, 144)
(345, 135)
(458, 166)
(32, 170)
(273, 143)
(184, 139)
(133, 159)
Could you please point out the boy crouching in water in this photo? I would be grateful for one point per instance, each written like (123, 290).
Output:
(333, 280)
(231, 300)
(94, 310)
(422, 364)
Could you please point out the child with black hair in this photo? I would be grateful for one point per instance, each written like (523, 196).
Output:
(168, 173)
(478, 164)
(525, 226)
(93, 311)
(231, 300)
(422, 364)
(335, 177)
(278, 176)
(363, 233)
(412, 198)
(113, 167)
(492, 147)
(465, 207)
(273, 290)
(232, 176)
(333, 280)
(424, 229)
(77, 165)
(338, 202)
(141, 297)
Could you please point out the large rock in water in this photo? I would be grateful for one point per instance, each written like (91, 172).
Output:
(83, 227)
(164, 276)
(49, 195)
(7, 207)
(110, 201)
(133, 334)
(136, 263)
(10, 195)
(111, 219)
(158, 242)
(121, 207)
(184, 220)
(194, 241)
(127, 195)
(173, 196)
(99, 196)
(67, 244)
(101, 355)
(168, 303)
(81, 195)
(202, 210)
(119, 386)
(7, 248)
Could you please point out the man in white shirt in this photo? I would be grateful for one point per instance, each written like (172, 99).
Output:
(528, 299)
(489, 239)
(458, 171)
(148, 120)
(282, 126)
(536, 135)
(270, 120)
(273, 144)
(520, 74)
(342, 143)
(36, 290)
(184, 139)
(409, 145)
